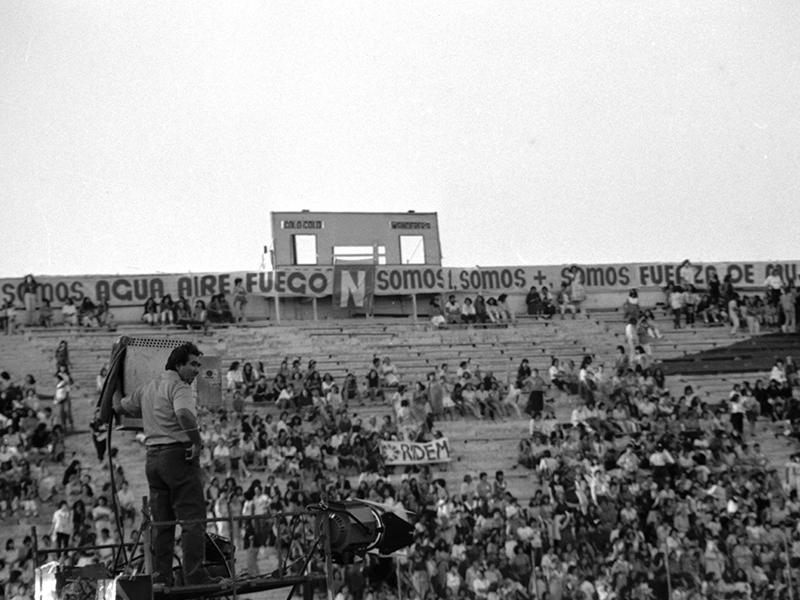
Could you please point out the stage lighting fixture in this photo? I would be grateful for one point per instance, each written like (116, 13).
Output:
(357, 527)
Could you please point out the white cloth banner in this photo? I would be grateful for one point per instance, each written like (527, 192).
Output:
(44, 586)
(415, 453)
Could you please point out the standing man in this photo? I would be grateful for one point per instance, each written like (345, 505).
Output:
(239, 299)
(29, 288)
(686, 274)
(169, 417)
(788, 305)
(773, 285)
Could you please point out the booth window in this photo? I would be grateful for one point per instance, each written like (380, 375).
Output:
(360, 254)
(412, 250)
(304, 249)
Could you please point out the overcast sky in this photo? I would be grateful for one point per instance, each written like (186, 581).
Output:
(142, 137)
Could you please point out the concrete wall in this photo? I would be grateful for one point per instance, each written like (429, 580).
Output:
(302, 289)
(355, 229)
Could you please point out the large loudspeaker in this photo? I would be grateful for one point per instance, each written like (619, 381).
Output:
(145, 359)
(356, 527)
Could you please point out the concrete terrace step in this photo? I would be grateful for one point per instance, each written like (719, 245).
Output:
(474, 429)
(416, 349)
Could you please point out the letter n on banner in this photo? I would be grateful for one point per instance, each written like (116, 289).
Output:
(353, 289)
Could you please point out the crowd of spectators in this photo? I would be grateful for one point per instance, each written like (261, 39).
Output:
(721, 304)
(637, 483)
(541, 302)
(465, 542)
(639, 490)
(33, 426)
(471, 311)
(87, 313)
(645, 489)
(163, 311)
(317, 447)
(544, 303)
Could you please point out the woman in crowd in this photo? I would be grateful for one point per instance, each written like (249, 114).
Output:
(62, 356)
(29, 290)
(504, 310)
(69, 313)
(219, 311)
(534, 302)
(166, 310)
(234, 379)
(249, 379)
(199, 317)
(63, 398)
(631, 308)
(150, 312)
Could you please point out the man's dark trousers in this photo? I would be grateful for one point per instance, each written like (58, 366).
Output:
(176, 492)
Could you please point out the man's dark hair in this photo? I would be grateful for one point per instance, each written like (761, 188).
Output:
(180, 356)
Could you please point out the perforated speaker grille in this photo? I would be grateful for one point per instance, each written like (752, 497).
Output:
(145, 359)
(169, 343)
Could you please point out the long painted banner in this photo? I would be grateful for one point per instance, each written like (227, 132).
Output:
(352, 282)
(415, 453)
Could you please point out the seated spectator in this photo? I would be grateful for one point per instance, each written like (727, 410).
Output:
(286, 398)
(87, 313)
(350, 389)
(249, 379)
(197, 319)
(219, 311)
(481, 313)
(468, 313)
(150, 314)
(708, 310)
(452, 310)
(438, 319)
(46, 314)
(564, 300)
(557, 375)
(548, 303)
(261, 391)
(102, 310)
(492, 310)
(534, 302)
(7, 315)
(778, 372)
(312, 380)
(234, 379)
(183, 312)
(389, 375)
(200, 314)
(503, 309)
(166, 310)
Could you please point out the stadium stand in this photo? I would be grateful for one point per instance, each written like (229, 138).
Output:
(443, 564)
